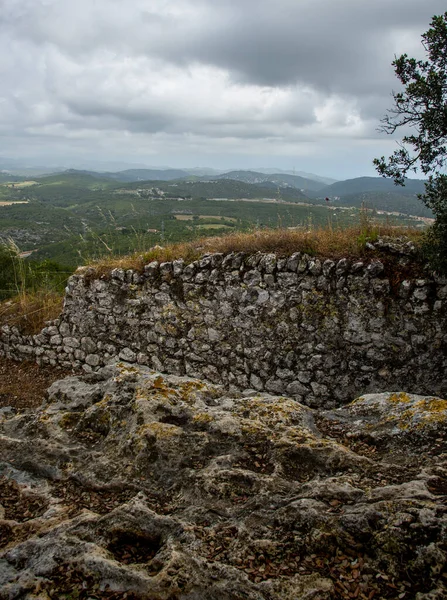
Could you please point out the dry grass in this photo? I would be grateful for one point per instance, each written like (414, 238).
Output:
(29, 311)
(324, 243)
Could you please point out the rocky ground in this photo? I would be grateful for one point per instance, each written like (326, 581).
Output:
(133, 484)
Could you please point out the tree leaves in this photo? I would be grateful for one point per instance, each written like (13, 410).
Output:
(422, 107)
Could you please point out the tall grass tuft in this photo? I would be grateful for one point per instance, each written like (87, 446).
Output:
(30, 293)
(29, 311)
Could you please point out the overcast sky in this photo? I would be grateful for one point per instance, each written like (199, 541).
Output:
(221, 83)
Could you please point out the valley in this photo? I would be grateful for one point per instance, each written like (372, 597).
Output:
(75, 217)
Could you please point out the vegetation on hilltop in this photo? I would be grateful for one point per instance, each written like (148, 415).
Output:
(333, 243)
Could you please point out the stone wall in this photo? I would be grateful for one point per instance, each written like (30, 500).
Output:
(321, 332)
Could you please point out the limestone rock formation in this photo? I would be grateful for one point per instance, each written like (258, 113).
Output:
(128, 481)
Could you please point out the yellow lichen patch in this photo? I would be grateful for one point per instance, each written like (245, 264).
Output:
(422, 413)
(167, 393)
(125, 372)
(186, 390)
(203, 418)
(125, 368)
(160, 430)
(400, 397)
(158, 382)
(432, 405)
(435, 410)
(283, 411)
(406, 418)
(156, 390)
(282, 405)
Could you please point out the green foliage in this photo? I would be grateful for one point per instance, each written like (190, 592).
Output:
(422, 107)
(8, 274)
(18, 275)
(435, 244)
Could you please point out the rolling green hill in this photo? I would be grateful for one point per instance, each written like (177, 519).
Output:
(78, 179)
(388, 201)
(372, 184)
(280, 179)
(219, 188)
(379, 193)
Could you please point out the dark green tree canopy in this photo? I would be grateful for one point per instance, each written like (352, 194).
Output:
(421, 107)
(420, 110)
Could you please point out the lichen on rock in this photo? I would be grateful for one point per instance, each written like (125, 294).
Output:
(396, 419)
(130, 481)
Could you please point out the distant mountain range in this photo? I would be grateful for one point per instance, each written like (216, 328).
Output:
(281, 180)
(137, 172)
(374, 192)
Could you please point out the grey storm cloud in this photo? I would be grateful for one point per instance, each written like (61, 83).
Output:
(221, 75)
(337, 46)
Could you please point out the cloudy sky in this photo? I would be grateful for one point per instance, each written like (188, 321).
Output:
(221, 83)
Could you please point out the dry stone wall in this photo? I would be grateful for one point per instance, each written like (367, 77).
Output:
(320, 332)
